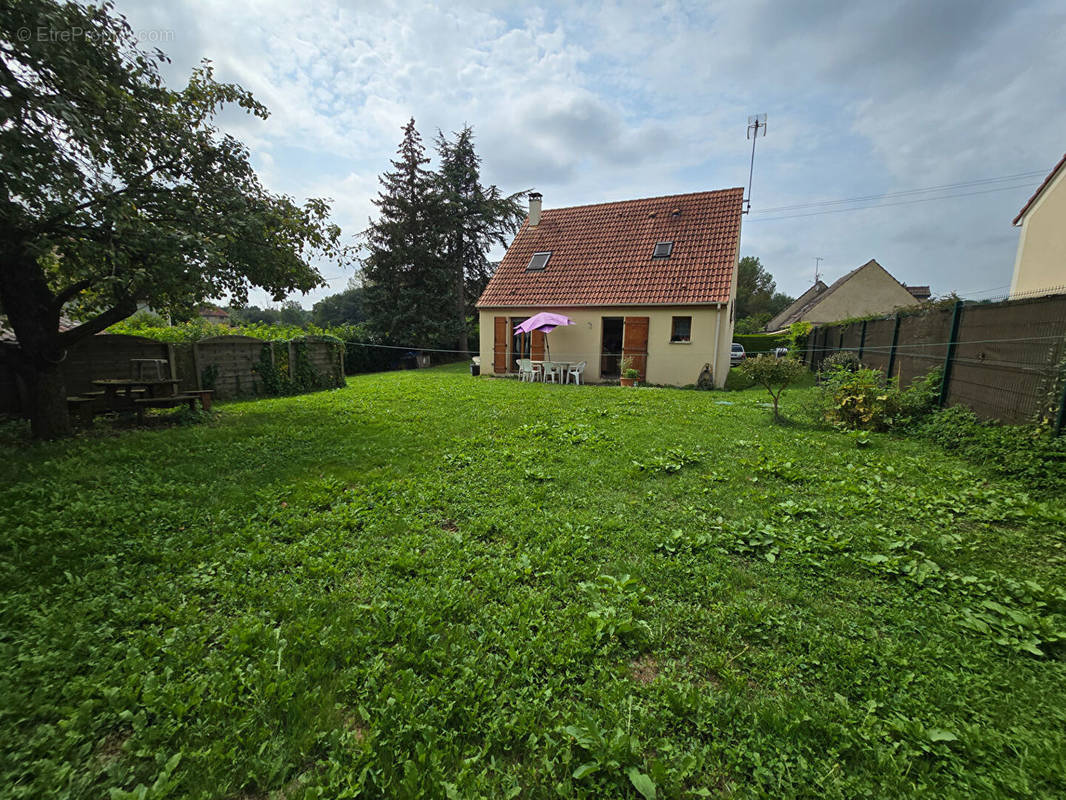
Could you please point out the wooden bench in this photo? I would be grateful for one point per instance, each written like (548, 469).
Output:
(173, 401)
(102, 393)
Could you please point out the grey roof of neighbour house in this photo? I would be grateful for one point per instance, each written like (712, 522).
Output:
(919, 292)
(799, 305)
(8, 335)
(815, 295)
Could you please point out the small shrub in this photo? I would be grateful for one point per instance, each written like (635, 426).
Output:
(737, 381)
(773, 374)
(921, 397)
(866, 399)
(844, 360)
(862, 400)
(797, 336)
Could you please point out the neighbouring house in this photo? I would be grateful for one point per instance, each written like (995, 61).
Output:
(864, 291)
(1040, 265)
(213, 314)
(652, 280)
(920, 293)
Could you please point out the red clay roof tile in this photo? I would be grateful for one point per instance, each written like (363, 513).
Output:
(601, 254)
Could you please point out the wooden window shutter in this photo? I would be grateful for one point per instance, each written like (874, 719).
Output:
(536, 347)
(499, 345)
(635, 343)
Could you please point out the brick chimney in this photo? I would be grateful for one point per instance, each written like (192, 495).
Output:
(534, 208)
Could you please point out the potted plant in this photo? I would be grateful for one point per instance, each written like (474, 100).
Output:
(630, 374)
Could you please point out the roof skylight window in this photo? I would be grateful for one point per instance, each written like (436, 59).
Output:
(538, 262)
(663, 250)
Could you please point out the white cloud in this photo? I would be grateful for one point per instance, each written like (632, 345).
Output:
(593, 102)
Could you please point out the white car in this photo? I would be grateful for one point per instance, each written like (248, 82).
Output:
(737, 354)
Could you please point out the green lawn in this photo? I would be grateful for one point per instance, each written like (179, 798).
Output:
(430, 585)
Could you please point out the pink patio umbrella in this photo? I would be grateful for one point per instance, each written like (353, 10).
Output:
(544, 321)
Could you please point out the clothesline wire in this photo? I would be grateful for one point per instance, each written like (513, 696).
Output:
(865, 348)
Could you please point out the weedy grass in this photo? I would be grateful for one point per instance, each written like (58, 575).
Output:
(430, 585)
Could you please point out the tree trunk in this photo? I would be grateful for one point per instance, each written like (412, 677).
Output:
(49, 416)
(31, 310)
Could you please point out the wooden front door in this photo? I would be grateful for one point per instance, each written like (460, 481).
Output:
(499, 345)
(635, 343)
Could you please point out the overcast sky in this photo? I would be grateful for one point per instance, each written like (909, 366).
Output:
(613, 101)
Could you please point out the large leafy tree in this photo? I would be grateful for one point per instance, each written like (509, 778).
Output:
(757, 297)
(408, 286)
(116, 190)
(475, 218)
(344, 308)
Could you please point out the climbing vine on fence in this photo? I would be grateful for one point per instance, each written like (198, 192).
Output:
(285, 368)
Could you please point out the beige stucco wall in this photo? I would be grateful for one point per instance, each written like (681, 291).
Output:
(673, 364)
(1040, 266)
(869, 291)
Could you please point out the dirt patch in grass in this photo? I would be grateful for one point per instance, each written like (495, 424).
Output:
(109, 749)
(644, 670)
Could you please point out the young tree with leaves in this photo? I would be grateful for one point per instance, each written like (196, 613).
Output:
(773, 374)
(116, 190)
(407, 283)
(475, 218)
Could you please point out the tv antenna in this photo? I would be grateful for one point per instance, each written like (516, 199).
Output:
(817, 263)
(756, 123)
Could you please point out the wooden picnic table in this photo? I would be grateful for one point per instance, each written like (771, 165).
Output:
(153, 388)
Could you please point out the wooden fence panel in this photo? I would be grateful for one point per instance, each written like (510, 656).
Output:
(184, 366)
(105, 356)
(327, 360)
(228, 363)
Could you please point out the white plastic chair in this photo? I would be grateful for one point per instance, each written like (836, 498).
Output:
(552, 372)
(576, 371)
(525, 369)
(538, 370)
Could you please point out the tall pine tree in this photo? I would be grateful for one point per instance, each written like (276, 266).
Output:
(475, 217)
(406, 279)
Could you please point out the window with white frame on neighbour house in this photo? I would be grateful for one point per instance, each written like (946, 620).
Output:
(681, 329)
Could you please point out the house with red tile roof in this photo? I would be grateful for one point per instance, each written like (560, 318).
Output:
(1040, 264)
(214, 314)
(651, 280)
